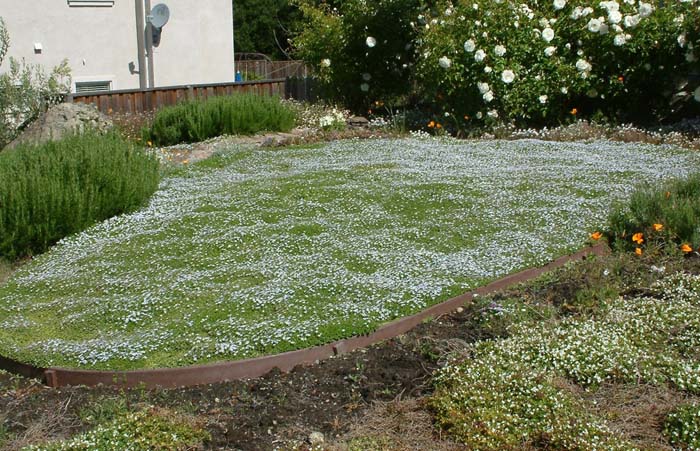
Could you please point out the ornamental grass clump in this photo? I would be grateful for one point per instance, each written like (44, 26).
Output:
(237, 114)
(666, 216)
(59, 188)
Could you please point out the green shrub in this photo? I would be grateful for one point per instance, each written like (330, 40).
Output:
(536, 62)
(674, 206)
(238, 114)
(152, 429)
(55, 189)
(682, 427)
(362, 51)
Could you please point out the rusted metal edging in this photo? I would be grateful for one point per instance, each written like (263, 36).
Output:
(256, 367)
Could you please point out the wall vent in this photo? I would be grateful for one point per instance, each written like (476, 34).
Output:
(92, 86)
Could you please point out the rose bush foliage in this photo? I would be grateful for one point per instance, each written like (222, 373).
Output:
(362, 51)
(531, 61)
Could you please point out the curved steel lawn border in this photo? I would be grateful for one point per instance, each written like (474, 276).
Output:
(256, 367)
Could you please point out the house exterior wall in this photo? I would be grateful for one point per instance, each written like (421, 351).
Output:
(100, 41)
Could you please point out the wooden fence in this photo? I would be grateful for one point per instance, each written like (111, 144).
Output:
(133, 101)
(266, 70)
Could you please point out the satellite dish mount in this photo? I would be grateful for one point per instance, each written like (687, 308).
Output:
(160, 14)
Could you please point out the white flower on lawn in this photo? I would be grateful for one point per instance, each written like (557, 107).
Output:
(500, 50)
(542, 99)
(543, 22)
(475, 6)
(479, 55)
(549, 51)
(488, 96)
(325, 62)
(469, 45)
(681, 40)
(487, 69)
(483, 87)
(559, 4)
(696, 94)
(492, 113)
(611, 5)
(366, 76)
(631, 21)
(448, 12)
(587, 11)
(548, 34)
(615, 16)
(445, 62)
(594, 25)
(364, 87)
(617, 29)
(645, 9)
(507, 76)
(370, 41)
(577, 13)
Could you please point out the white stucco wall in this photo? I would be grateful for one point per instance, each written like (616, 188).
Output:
(100, 42)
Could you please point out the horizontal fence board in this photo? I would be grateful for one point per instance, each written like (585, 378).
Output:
(134, 101)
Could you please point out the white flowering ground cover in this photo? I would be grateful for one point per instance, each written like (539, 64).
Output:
(261, 251)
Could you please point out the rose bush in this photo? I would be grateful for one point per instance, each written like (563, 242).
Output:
(541, 62)
(362, 51)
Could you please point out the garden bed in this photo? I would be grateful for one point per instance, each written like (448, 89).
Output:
(258, 251)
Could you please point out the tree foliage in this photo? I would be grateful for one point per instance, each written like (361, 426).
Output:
(264, 26)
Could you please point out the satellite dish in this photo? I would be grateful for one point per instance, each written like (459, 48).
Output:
(160, 14)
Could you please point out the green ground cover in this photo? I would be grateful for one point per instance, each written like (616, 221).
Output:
(259, 251)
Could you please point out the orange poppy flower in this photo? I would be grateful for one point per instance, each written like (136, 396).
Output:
(596, 235)
(658, 227)
(685, 248)
(431, 124)
(620, 78)
(438, 125)
(638, 251)
(150, 144)
(574, 111)
(668, 194)
(638, 238)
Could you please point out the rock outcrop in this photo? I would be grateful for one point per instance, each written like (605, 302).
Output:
(60, 120)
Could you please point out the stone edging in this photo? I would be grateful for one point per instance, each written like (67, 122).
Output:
(259, 366)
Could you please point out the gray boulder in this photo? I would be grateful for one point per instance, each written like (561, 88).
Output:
(61, 120)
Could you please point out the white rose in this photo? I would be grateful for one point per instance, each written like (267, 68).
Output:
(542, 99)
(594, 25)
(445, 62)
(370, 41)
(548, 34)
(487, 69)
(619, 40)
(483, 87)
(488, 96)
(583, 66)
(559, 4)
(631, 21)
(500, 50)
(604, 29)
(325, 62)
(564, 90)
(469, 45)
(479, 115)
(479, 55)
(615, 17)
(645, 9)
(493, 113)
(507, 76)
(681, 40)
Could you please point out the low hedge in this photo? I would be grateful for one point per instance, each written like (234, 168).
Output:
(237, 114)
(58, 188)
